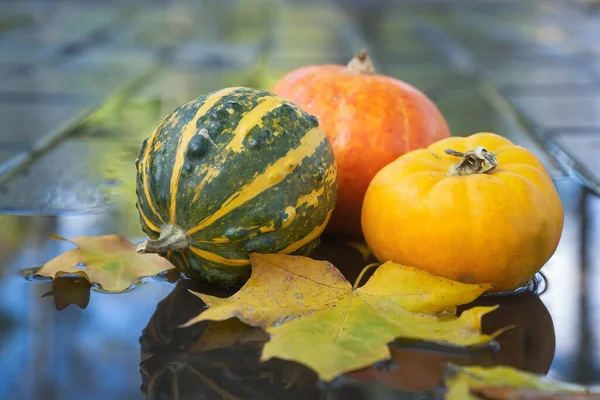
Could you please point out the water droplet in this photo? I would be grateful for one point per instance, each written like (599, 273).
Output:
(199, 145)
(187, 167)
(259, 244)
(319, 174)
(234, 105)
(171, 276)
(219, 114)
(31, 274)
(259, 139)
(236, 233)
(276, 176)
(290, 165)
(253, 143)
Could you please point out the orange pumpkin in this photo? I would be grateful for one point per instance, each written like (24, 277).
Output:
(370, 120)
(492, 217)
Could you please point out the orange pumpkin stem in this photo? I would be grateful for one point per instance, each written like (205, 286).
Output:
(172, 238)
(361, 63)
(473, 162)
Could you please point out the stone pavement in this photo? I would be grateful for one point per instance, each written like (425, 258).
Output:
(83, 82)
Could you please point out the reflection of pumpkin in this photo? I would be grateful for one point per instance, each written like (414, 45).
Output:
(371, 119)
(417, 370)
(233, 172)
(528, 346)
(464, 219)
(212, 360)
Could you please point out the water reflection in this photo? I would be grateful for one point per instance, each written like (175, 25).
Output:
(69, 289)
(221, 359)
(212, 360)
(94, 353)
(417, 367)
(531, 343)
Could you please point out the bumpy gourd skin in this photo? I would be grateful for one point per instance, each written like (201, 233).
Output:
(235, 171)
(370, 119)
(498, 227)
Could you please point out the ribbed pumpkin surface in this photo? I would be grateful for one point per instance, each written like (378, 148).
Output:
(238, 170)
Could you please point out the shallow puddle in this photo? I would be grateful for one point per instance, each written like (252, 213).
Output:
(129, 345)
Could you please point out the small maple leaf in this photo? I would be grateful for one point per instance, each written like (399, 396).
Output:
(317, 318)
(502, 382)
(110, 261)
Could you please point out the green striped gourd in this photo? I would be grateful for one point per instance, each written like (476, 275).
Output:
(233, 172)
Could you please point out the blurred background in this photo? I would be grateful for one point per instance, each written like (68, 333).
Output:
(82, 83)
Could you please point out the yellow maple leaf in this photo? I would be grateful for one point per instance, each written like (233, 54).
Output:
(317, 318)
(110, 261)
(502, 382)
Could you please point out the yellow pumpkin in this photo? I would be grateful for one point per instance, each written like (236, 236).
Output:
(477, 210)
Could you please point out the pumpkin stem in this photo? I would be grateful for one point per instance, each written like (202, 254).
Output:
(361, 63)
(172, 238)
(473, 162)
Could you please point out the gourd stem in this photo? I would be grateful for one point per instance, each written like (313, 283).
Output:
(172, 238)
(478, 161)
(361, 63)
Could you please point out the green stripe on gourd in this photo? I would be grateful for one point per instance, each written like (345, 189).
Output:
(233, 172)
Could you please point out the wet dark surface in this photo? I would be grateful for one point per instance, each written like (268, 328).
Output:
(96, 352)
(81, 85)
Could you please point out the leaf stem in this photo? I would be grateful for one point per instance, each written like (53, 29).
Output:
(362, 273)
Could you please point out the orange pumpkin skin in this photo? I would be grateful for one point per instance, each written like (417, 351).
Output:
(370, 120)
(498, 227)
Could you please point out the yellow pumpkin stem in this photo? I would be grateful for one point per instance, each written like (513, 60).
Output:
(172, 238)
(473, 162)
(361, 63)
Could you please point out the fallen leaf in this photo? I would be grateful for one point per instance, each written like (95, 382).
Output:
(499, 383)
(110, 261)
(317, 318)
(70, 289)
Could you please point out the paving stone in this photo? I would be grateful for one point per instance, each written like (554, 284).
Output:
(394, 36)
(176, 25)
(467, 112)
(527, 73)
(25, 123)
(561, 110)
(216, 55)
(583, 33)
(287, 60)
(583, 149)
(176, 86)
(5, 154)
(74, 177)
(93, 81)
(24, 49)
(488, 45)
(430, 79)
